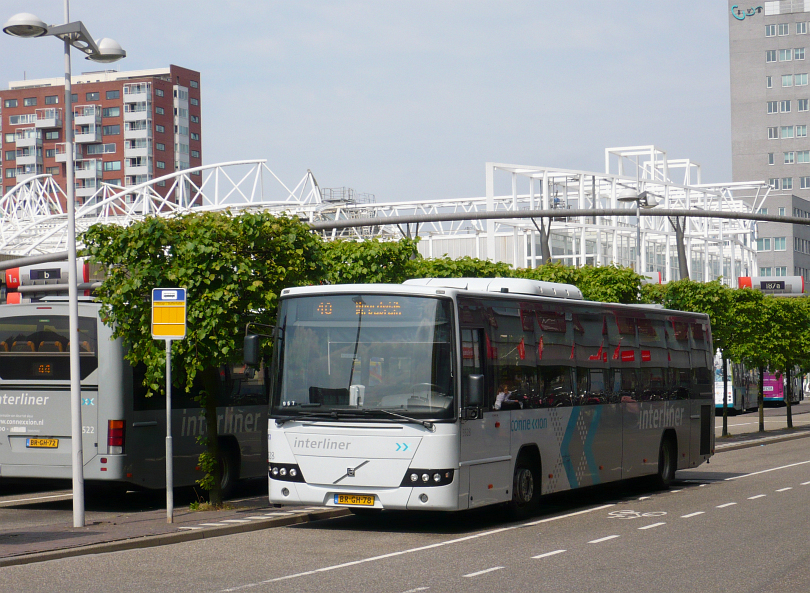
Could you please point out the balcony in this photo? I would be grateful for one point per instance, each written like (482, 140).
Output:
(26, 172)
(61, 152)
(137, 92)
(27, 137)
(138, 132)
(49, 118)
(89, 169)
(86, 115)
(140, 151)
(134, 115)
(144, 167)
(28, 156)
(87, 134)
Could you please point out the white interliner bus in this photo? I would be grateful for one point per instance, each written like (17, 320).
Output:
(450, 394)
(124, 432)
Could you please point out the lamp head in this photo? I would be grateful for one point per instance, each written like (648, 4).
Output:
(627, 195)
(108, 51)
(25, 24)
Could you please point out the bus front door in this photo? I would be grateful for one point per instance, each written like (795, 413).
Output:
(485, 460)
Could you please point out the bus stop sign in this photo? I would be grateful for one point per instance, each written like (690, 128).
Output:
(168, 313)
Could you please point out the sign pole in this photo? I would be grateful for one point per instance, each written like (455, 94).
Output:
(169, 323)
(169, 451)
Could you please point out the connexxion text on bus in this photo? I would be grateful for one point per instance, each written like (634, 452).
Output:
(450, 394)
(123, 431)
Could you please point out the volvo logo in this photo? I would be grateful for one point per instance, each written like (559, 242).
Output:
(350, 472)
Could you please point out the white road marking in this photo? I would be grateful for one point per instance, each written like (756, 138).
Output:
(653, 525)
(765, 471)
(255, 518)
(757, 496)
(213, 524)
(36, 498)
(645, 497)
(416, 590)
(674, 491)
(804, 483)
(728, 504)
(692, 515)
(785, 489)
(236, 520)
(275, 514)
(410, 550)
(547, 554)
(189, 528)
(603, 539)
(480, 572)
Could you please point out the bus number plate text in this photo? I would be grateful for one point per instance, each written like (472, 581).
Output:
(46, 443)
(356, 499)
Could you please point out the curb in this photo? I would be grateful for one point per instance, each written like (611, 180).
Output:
(722, 448)
(149, 541)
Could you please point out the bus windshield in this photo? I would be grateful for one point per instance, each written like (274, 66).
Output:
(350, 356)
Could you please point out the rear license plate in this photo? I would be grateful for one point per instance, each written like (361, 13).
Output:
(46, 443)
(356, 499)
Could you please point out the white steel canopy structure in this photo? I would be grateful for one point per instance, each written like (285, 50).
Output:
(33, 217)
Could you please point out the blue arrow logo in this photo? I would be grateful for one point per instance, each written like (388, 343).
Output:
(402, 446)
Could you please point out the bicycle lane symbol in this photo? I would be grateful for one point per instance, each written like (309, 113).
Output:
(628, 514)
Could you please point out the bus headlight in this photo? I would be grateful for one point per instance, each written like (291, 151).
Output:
(286, 472)
(428, 477)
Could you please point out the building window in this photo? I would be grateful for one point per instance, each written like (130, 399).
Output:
(779, 244)
(785, 55)
(113, 130)
(763, 245)
(773, 106)
(159, 110)
(801, 131)
(784, 106)
(762, 211)
(803, 156)
(195, 119)
(764, 271)
(50, 153)
(800, 80)
(798, 53)
(10, 103)
(801, 28)
(112, 165)
(30, 102)
(784, 29)
(787, 131)
(10, 137)
(111, 112)
(768, 82)
(74, 98)
(52, 135)
(194, 84)
(773, 133)
(780, 271)
(195, 154)
(94, 96)
(160, 146)
(787, 182)
(53, 170)
(194, 101)
(11, 155)
(781, 211)
(11, 173)
(113, 94)
(52, 100)
(804, 182)
(158, 92)
(787, 80)
(789, 157)
(161, 164)
(159, 128)
(770, 158)
(770, 30)
(195, 136)
(773, 182)
(770, 55)
(803, 105)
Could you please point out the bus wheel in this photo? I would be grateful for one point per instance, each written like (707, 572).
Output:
(525, 488)
(229, 470)
(667, 458)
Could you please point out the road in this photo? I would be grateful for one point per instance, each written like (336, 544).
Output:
(775, 419)
(738, 524)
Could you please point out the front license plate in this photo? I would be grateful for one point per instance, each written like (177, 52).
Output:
(47, 443)
(356, 499)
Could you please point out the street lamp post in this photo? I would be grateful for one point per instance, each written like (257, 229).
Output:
(642, 200)
(105, 50)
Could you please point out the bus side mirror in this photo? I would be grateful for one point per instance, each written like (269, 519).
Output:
(475, 390)
(252, 350)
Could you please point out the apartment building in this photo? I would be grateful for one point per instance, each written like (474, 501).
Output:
(129, 128)
(770, 113)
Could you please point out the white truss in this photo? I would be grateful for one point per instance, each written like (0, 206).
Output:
(34, 219)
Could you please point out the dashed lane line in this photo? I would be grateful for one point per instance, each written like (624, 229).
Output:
(785, 489)
(547, 554)
(603, 539)
(728, 504)
(651, 526)
(485, 571)
(804, 483)
(757, 496)
(692, 515)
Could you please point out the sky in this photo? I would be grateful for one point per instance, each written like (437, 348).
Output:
(408, 100)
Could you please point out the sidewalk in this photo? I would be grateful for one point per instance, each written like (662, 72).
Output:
(149, 528)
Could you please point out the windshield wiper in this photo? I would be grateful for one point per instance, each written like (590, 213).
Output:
(426, 423)
(282, 419)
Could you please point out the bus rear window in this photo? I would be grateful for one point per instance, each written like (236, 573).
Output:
(36, 348)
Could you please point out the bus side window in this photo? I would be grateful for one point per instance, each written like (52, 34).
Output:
(470, 359)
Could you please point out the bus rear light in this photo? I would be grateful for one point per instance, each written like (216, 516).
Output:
(115, 437)
(104, 469)
(103, 460)
(129, 475)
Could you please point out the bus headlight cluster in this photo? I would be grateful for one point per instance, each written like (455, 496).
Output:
(286, 472)
(428, 477)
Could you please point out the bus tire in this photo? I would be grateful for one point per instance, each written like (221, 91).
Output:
(525, 487)
(229, 469)
(667, 462)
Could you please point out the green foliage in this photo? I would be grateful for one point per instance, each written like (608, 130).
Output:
(231, 267)
(374, 261)
(607, 284)
(712, 298)
(463, 267)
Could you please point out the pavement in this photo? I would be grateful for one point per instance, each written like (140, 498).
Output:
(150, 528)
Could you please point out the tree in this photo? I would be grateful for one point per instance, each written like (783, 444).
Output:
(231, 267)
(462, 267)
(348, 262)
